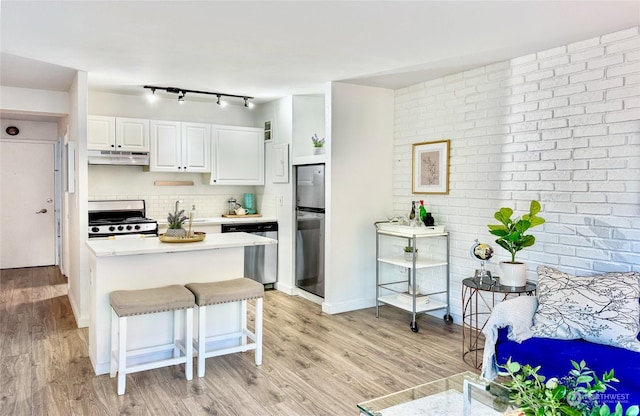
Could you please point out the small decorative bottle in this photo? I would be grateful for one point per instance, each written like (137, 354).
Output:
(429, 221)
(412, 214)
(423, 212)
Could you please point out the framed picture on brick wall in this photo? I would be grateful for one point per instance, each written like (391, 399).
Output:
(430, 167)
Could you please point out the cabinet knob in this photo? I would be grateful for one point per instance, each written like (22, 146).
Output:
(113, 145)
(119, 145)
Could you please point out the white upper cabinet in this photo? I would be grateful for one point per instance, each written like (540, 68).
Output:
(196, 147)
(237, 156)
(117, 133)
(180, 147)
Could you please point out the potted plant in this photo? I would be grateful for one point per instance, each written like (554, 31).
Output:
(572, 395)
(318, 144)
(176, 220)
(408, 253)
(511, 237)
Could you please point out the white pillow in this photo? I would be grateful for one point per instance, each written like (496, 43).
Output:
(603, 309)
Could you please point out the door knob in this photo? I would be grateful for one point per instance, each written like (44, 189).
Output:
(42, 211)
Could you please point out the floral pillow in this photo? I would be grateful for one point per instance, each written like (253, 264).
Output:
(603, 309)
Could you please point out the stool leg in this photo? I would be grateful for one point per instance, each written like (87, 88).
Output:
(202, 335)
(258, 328)
(188, 343)
(113, 358)
(243, 321)
(122, 354)
(176, 333)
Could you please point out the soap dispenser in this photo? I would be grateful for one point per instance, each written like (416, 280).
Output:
(193, 213)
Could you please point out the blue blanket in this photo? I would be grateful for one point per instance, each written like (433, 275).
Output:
(554, 356)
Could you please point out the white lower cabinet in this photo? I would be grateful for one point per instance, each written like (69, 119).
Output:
(237, 156)
(180, 147)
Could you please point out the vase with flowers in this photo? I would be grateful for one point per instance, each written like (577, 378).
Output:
(318, 144)
(176, 221)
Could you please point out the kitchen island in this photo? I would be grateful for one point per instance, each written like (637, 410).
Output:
(131, 263)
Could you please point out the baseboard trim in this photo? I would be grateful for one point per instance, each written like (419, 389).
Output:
(81, 322)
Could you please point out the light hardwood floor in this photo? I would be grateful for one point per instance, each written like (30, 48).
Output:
(314, 363)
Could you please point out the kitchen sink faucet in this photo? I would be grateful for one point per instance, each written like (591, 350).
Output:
(177, 202)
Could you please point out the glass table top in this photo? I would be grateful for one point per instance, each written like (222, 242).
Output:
(445, 396)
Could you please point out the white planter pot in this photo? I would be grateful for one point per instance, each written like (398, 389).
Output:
(513, 274)
(176, 232)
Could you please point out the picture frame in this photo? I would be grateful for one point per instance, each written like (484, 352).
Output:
(267, 131)
(430, 170)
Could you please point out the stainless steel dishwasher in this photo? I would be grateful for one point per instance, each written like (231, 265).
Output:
(260, 262)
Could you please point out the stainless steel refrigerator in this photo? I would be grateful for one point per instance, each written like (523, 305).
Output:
(310, 228)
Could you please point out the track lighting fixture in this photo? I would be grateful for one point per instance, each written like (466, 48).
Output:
(182, 92)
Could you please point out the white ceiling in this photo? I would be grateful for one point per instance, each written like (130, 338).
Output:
(271, 49)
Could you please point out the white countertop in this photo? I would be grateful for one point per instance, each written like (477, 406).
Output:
(129, 246)
(225, 220)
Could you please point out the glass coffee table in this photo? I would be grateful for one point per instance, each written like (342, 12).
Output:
(461, 394)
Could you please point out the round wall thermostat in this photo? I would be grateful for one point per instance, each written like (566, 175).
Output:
(12, 130)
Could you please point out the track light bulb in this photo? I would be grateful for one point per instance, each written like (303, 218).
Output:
(246, 101)
(181, 98)
(152, 97)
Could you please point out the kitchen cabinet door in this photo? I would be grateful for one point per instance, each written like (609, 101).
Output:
(117, 133)
(196, 147)
(132, 134)
(166, 146)
(101, 133)
(237, 156)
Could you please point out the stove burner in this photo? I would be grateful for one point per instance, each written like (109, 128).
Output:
(111, 218)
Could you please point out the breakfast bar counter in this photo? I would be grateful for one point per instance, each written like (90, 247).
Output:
(132, 263)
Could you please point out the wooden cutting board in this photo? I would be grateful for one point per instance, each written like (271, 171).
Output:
(240, 216)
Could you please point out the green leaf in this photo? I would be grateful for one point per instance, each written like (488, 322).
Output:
(535, 221)
(633, 411)
(534, 208)
(503, 216)
(584, 379)
(604, 410)
(513, 367)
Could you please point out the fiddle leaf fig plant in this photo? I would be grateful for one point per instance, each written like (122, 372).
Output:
(511, 231)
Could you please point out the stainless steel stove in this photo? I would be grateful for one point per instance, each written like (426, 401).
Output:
(119, 217)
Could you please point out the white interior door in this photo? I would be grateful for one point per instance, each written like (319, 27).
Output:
(27, 230)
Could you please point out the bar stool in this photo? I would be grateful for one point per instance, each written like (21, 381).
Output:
(126, 303)
(226, 291)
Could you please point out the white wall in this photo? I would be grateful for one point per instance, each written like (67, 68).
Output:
(280, 114)
(308, 119)
(78, 272)
(28, 101)
(560, 126)
(359, 190)
(30, 130)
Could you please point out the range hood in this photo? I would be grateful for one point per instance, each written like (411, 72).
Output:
(108, 157)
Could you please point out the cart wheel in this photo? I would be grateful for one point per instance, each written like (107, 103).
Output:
(448, 319)
(414, 326)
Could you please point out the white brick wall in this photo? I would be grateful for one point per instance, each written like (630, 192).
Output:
(561, 126)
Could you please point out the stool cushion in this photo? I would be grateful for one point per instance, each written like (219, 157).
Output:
(159, 299)
(233, 290)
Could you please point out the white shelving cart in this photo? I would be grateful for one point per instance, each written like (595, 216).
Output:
(398, 279)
